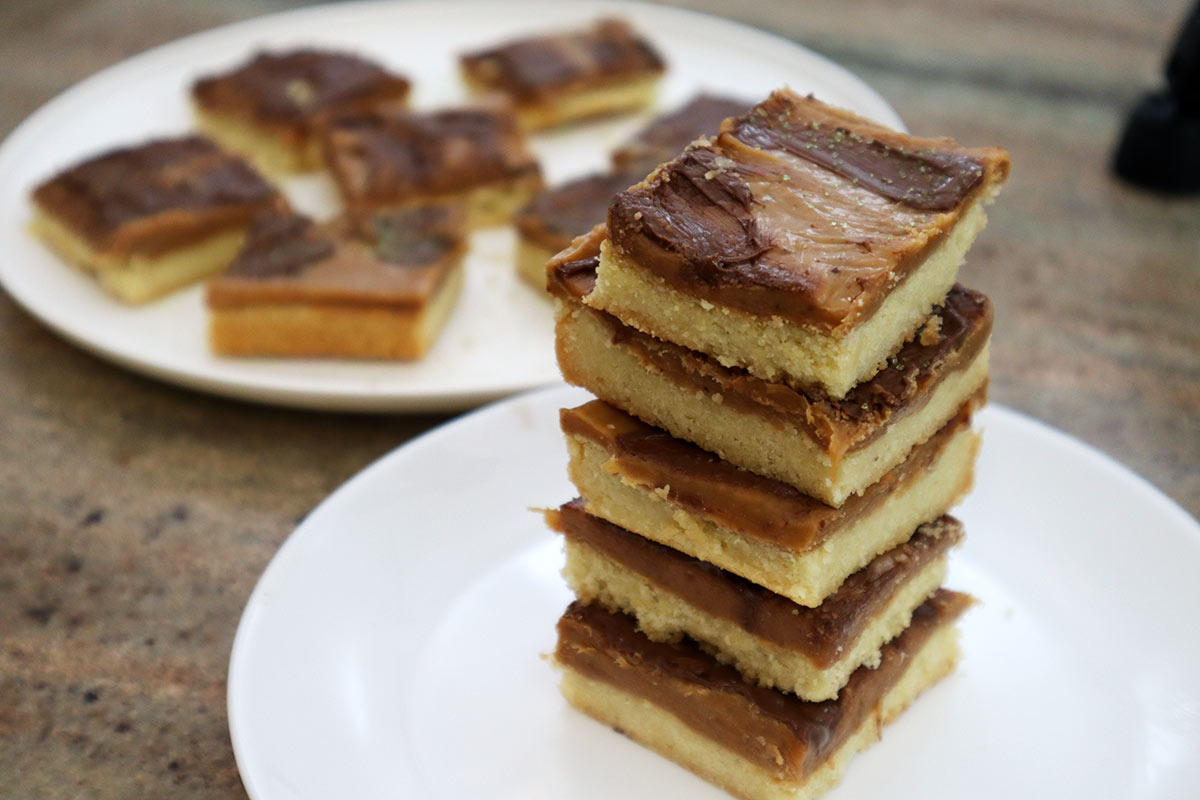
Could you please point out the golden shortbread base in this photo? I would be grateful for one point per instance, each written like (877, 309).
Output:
(334, 330)
(138, 277)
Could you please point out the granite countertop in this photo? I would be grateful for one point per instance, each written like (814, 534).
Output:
(135, 517)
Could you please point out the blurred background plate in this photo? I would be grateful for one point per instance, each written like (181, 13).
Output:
(499, 340)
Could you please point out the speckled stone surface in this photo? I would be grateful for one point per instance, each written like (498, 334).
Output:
(135, 518)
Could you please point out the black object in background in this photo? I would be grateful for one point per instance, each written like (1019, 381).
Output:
(1160, 148)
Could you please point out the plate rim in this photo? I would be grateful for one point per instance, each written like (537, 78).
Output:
(268, 389)
(311, 527)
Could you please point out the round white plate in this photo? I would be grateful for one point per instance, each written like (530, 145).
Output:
(499, 339)
(394, 646)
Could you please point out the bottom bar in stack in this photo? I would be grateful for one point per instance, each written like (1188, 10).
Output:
(756, 743)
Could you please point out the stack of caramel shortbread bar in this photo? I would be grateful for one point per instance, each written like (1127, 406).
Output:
(786, 373)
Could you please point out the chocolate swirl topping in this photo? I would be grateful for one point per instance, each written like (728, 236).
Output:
(927, 179)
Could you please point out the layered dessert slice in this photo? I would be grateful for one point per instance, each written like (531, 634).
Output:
(377, 286)
(556, 216)
(558, 78)
(772, 640)
(768, 532)
(396, 158)
(754, 742)
(802, 244)
(148, 219)
(827, 447)
(666, 137)
(269, 109)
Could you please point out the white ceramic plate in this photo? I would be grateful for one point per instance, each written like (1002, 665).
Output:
(393, 648)
(499, 339)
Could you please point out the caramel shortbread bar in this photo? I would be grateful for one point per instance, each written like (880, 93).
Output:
(665, 137)
(828, 447)
(270, 108)
(556, 216)
(558, 78)
(396, 158)
(773, 641)
(679, 495)
(377, 286)
(754, 742)
(148, 219)
(803, 243)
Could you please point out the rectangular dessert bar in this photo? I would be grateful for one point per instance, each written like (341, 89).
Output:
(377, 286)
(666, 136)
(557, 215)
(803, 243)
(686, 498)
(148, 219)
(771, 640)
(396, 158)
(269, 108)
(756, 743)
(829, 448)
(558, 78)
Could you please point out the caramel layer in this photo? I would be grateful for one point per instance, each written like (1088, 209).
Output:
(949, 341)
(389, 156)
(538, 68)
(391, 258)
(757, 507)
(295, 90)
(778, 732)
(156, 196)
(820, 634)
(800, 210)
(667, 136)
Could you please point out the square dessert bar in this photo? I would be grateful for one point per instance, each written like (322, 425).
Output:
(563, 77)
(802, 244)
(151, 218)
(556, 216)
(666, 137)
(828, 447)
(765, 531)
(771, 640)
(396, 158)
(756, 743)
(269, 108)
(377, 286)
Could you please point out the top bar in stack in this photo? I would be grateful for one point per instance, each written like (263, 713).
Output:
(803, 244)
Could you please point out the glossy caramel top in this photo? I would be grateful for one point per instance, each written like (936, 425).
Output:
(535, 69)
(155, 195)
(299, 87)
(395, 258)
(390, 156)
(801, 210)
